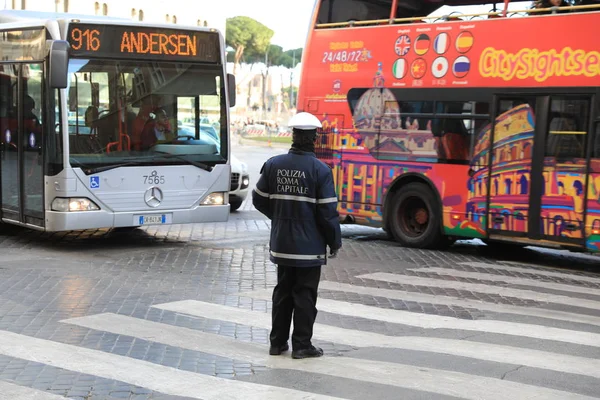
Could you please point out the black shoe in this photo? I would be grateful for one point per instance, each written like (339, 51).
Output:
(312, 351)
(277, 350)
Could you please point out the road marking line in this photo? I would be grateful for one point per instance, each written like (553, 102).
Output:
(484, 276)
(541, 272)
(356, 338)
(457, 301)
(428, 321)
(10, 391)
(145, 374)
(483, 288)
(428, 380)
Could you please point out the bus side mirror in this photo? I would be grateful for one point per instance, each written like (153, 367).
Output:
(231, 88)
(59, 64)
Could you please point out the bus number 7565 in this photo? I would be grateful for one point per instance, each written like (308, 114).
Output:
(154, 178)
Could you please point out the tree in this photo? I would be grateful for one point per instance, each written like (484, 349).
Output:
(290, 94)
(273, 56)
(291, 58)
(245, 34)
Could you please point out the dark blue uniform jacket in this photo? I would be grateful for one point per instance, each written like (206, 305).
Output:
(296, 192)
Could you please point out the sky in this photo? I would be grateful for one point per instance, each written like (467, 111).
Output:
(289, 19)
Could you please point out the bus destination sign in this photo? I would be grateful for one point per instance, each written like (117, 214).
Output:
(116, 41)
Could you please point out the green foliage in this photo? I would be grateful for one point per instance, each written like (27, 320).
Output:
(246, 35)
(291, 58)
(286, 91)
(275, 57)
(251, 41)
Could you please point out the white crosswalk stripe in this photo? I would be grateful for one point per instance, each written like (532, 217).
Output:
(397, 374)
(442, 322)
(534, 271)
(483, 288)
(141, 373)
(508, 279)
(460, 302)
(10, 391)
(481, 351)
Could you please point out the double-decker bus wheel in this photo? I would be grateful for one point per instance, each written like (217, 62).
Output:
(414, 217)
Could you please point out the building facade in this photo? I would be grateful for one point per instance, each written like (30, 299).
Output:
(177, 12)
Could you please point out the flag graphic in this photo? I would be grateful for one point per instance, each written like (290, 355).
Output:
(461, 67)
(439, 68)
(418, 68)
(464, 42)
(441, 43)
(422, 44)
(402, 46)
(399, 68)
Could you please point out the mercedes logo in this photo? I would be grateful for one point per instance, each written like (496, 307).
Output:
(153, 196)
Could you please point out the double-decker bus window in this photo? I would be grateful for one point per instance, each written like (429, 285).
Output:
(596, 149)
(568, 127)
(413, 8)
(332, 11)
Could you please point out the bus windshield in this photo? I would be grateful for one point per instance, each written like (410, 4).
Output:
(138, 113)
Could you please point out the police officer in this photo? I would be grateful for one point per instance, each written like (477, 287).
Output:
(297, 193)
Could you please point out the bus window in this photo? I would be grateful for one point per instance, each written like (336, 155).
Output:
(505, 105)
(332, 11)
(411, 113)
(120, 111)
(53, 143)
(596, 150)
(413, 8)
(455, 125)
(88, 99)
(568, 127)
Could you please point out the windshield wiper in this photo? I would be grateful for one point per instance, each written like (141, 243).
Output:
(141, 161)
(182, 158)
(89, 171)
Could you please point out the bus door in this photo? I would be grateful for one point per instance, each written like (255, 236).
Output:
(22, 180)
(538, 168)
(359, 174)
(562, 169)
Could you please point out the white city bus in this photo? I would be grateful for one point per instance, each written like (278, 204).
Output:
(100, 122)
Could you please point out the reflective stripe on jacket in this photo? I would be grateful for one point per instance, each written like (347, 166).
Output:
(296, 192)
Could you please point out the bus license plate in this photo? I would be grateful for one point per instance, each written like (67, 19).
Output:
(155, 219)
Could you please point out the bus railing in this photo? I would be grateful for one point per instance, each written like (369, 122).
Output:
(458, 17)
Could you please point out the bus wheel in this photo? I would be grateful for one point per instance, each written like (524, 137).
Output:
(414, 217)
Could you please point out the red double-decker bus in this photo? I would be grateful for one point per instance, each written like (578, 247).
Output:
(460, 125)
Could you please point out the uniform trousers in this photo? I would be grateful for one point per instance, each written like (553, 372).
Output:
(295, 295)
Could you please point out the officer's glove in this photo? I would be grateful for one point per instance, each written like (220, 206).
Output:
(333, 253)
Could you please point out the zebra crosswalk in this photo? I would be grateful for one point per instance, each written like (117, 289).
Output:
(454, 339)
(10, 391)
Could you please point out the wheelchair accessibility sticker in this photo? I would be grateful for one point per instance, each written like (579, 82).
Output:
(94, 182)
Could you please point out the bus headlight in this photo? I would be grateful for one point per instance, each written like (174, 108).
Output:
(214, 199)
(65, 204)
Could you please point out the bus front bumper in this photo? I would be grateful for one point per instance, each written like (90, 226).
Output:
(69, 221)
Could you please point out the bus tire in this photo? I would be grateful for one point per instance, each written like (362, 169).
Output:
(415, 217)
(233, 206)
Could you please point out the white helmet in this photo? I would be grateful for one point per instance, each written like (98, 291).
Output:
(304, 121)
